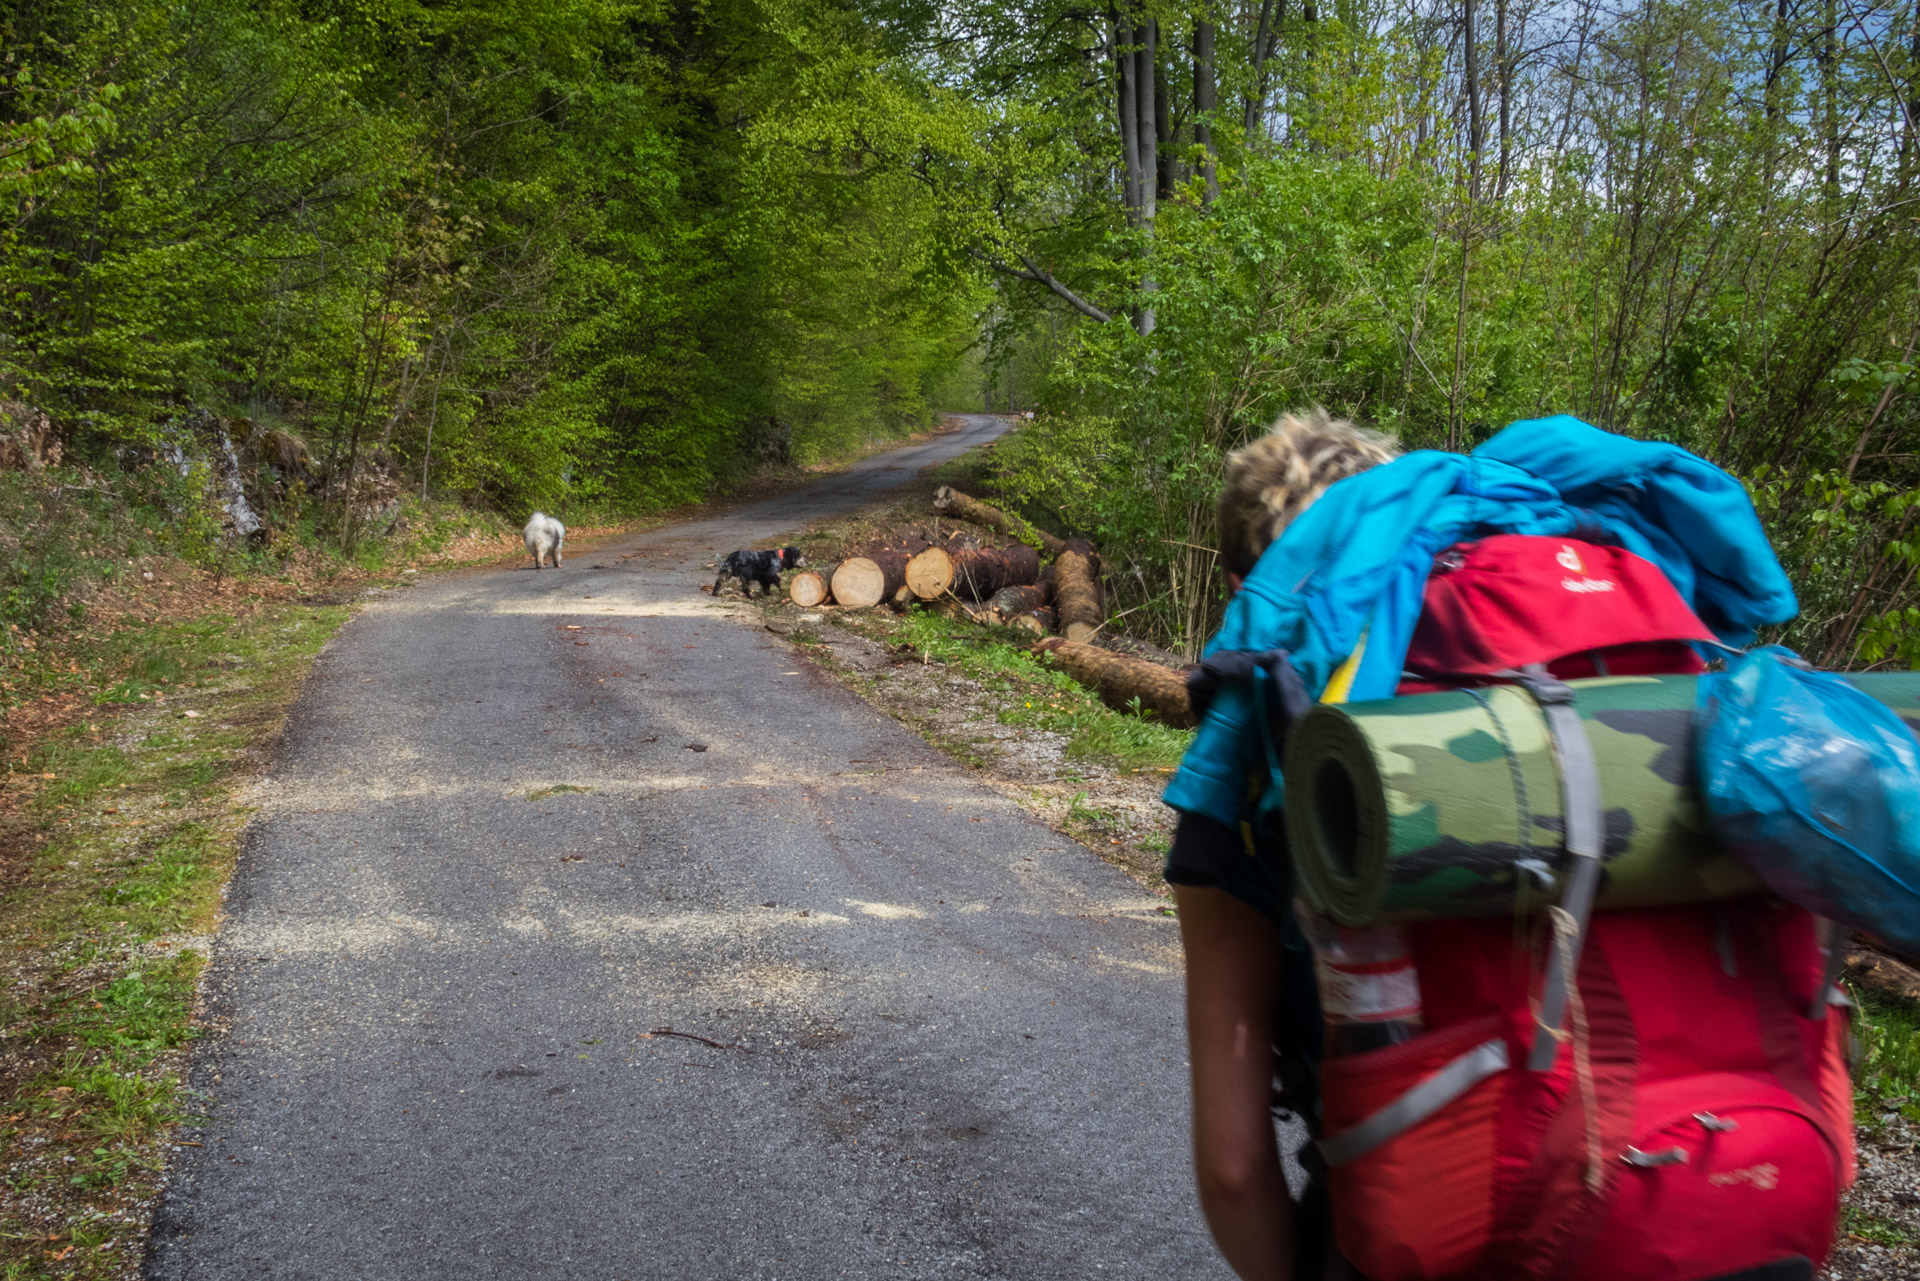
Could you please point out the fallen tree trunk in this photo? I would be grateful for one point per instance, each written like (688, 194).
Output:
(1119, 679)
(1076, 591)
(1039, 622)
(977, 575)
(930, 574)
(810, 587)
(859, 581)
(1876, 971)
(1011, 602)
(952, 502)
(954, 607)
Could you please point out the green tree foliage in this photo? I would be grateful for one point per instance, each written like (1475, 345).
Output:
(543, 253)
(1691, 222)
(606, 252)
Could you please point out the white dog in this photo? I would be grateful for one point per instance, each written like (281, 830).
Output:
(545, 537)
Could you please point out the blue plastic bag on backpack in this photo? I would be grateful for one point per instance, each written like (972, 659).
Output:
(1816, 787)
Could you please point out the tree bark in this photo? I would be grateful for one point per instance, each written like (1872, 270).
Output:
(1030, 270)
(1913, 91)
(860, 581)
(1872, 969)
(1076, 592)
(1125, 65)
(1829, 60)
(1119, 679)
(954, 607)
(1164, 141)
(977, 575)
(1146, 91)
(951, 502)
(1503, 69)
(1011, 602)
(1146, 128)
(1475, 131)
(1777, 60)
(1205, 99)
(1262, 46)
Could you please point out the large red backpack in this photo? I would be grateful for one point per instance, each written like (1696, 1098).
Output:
(1687, 1111)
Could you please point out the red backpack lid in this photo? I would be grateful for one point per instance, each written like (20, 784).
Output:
(1514, 599)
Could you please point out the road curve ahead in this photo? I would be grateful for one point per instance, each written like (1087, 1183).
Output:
(586, 932)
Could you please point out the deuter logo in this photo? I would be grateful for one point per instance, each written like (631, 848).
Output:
(1570, 561)
(1761, 1178)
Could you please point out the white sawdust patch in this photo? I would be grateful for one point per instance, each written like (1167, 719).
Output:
(886, 911)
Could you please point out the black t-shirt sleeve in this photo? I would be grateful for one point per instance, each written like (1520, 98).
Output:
(1204, 853)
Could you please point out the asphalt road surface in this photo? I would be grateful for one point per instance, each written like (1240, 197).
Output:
(523, 823)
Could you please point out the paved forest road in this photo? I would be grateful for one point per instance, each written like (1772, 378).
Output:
(963, 1051)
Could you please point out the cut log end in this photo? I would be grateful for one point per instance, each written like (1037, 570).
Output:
(929, 574)
(810, 587)
(862, 581)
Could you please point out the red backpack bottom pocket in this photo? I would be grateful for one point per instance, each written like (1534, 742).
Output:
(1727, 1171)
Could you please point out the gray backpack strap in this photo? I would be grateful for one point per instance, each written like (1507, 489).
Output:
(1431, 1094)
(1585, 835)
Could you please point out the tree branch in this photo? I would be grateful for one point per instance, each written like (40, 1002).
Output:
(1039, 275)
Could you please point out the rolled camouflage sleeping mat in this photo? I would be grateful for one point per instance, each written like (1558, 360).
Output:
(1434, 805)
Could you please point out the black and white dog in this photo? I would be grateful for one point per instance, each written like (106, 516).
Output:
(758, 567)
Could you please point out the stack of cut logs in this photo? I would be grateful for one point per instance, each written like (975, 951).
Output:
(1006, 586)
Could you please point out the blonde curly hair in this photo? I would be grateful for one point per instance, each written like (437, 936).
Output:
(1271, 480)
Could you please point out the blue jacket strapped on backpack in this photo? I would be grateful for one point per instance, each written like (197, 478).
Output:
(1356, 562)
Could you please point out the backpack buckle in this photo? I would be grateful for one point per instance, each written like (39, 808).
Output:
(1652, 1160)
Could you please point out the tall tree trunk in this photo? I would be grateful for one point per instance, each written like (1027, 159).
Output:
(1146, 128)
(1503, 68)
(1913, 98)
(1129, 113)
(1777, 60)
(433, 416)
(1830, 100)
(1147, 95)
(1456, 426)
(1204, 101)
(1167, 149)
(1456, 418)
(1263, 39)
(1475, 130)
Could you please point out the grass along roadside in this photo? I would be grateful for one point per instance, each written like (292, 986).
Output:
(129, 730)
(1036, 696)
(981, 696)
(977, 694)
(119, 837)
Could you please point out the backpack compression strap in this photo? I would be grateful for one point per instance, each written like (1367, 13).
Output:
(1417, 1104)
(1580, 806)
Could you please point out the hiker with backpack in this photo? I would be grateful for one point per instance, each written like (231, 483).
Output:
(1538, 1023)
